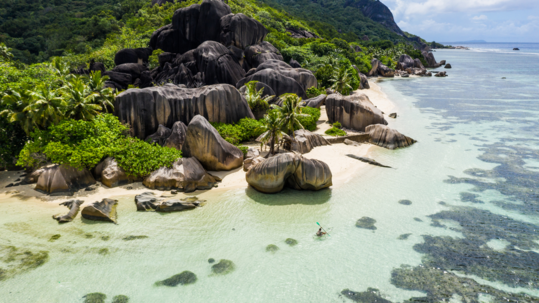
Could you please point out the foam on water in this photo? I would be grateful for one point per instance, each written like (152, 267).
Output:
(452, 173)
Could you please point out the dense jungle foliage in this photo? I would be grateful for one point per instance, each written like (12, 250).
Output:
(65, 34)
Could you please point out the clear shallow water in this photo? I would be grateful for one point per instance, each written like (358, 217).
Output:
(474, 215)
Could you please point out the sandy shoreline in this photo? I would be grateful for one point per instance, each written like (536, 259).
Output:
(343, 168)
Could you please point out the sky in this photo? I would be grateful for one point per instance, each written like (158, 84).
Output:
(463, 20)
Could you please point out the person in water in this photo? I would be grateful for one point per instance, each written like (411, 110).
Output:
(320, 233)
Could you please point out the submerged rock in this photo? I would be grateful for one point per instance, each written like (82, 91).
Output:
(291, 242)
(389, 138)
(405, 202)
(16, 260)
(223, 267)
(74, 207)
(120, 299)
(204, 143)
(393, 115)
(271, 175)
(372, 295)
(54, 237)
(178, 205)
(185, 278)
(211, 260)
(353, 112)
(403, 236)
(131, 238)
(95, 297)
(101, 211)
(366, 223)
(63, 180)
(272, 248)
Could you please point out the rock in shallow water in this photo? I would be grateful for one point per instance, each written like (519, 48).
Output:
(384, 136)
(74, 207)
(223, 267)
(101, 211)
(372, 295)
(95, 297)
(272, 248)
(120, 299)
(366, 223)
(184, 278)
(291, 242)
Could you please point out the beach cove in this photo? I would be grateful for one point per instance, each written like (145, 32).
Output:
(435, 196)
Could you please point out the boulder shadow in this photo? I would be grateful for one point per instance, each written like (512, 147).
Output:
(290, 196)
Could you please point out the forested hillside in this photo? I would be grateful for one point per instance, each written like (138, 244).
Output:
(39, 29)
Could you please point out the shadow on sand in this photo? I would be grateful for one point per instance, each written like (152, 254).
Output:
(290, 196)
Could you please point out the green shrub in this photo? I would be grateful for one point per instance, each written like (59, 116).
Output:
(230, 132)
(315, 92)
(243, 149)
(309, 122)
(335, 132)
(244, 130)
(337, 125)
(83, 144)
(139, 158)
(250, 128)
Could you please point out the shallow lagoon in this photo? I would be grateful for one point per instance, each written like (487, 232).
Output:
(475, 132)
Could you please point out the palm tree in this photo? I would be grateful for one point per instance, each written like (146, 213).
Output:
(290, 111)
(81, 101)
(48, 106)
(341, 80)
(254, 97)
(273, 123)
(18, 108)
(106, 95)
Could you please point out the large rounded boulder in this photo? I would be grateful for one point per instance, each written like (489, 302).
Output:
(241, 31)
(111, 174)
(145, 109)
(354, 112)
(384, 136)
(186, 174)
(289, 169)
(260, 53)
(205, 144)
(133, 55)
(63, 180)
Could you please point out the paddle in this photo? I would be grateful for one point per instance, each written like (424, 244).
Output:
(323, 229)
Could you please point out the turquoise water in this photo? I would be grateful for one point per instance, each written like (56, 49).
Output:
(470, 234)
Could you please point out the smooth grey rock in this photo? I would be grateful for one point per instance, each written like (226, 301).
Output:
(145, 109)
(260, 53)
(101, 211)
(241, 31)
(384, 136)
(353, 112)
(111, 174)
(177, 136)
(186, 174)
(204, 143)
(63, 180)
(74, 207)
(160, 136)
(271, 175)
(304, 141)
(315, 102)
